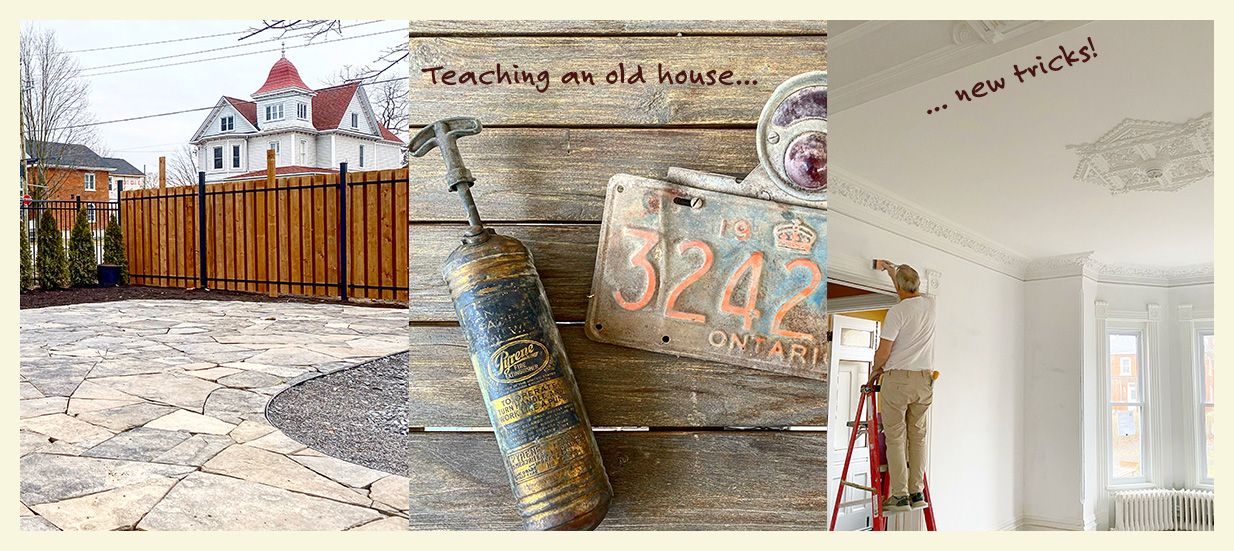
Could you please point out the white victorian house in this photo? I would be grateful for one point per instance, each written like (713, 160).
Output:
(310, 131)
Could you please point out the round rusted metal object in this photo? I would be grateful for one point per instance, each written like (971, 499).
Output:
(805, 162)
(792, 136)
(808, 102)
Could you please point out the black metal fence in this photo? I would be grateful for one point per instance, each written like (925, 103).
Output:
(340, 235)
(65, 214)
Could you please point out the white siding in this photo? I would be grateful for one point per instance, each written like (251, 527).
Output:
(323, 151)
(364, 125)
(241, 124)
(288, 100)
(205, 157)
(377, 155)
(388, 156)
(282, 158)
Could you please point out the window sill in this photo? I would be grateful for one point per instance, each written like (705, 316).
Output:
(1131, 486)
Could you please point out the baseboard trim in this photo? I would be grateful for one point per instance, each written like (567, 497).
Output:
(1066, 524)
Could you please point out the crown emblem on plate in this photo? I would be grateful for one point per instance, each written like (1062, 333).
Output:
(795, 236)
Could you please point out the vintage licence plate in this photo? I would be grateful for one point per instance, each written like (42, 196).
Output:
(711, 275)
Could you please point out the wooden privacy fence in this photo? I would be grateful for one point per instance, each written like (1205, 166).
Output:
(276, 235)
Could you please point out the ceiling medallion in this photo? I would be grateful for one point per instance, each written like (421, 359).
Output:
(1148, 155)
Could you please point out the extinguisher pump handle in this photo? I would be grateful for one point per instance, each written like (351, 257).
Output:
(443, 135)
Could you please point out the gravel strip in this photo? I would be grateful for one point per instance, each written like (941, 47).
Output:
(358, 414)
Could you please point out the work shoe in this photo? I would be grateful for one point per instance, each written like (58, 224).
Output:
(918, 501)
(897, 504)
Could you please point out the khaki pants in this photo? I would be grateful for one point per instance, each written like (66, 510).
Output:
(906, 395)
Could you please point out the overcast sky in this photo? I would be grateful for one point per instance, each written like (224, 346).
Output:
(195, 82)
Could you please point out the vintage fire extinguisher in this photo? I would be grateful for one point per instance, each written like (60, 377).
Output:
(532, 399)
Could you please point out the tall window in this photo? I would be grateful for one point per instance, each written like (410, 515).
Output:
(89, 182)
(218, 157)
(227, 123)
(90, 213)
(303, 151)
(302, 110)
(274, 112)
(275, 147)
(1205, 337)
(235, 156)
(361, 155)
(1125, 369)
(355, 120)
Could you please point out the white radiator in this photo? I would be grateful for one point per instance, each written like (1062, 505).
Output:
(1163, 509)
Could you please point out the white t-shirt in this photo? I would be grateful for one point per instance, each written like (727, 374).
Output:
(911, 325)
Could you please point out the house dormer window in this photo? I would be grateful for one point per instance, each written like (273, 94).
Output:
(88, 182)
(274, 112)
(227, 123)
(302, 110)
(355, 120)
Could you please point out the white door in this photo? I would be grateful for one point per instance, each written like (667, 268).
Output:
(852, 353)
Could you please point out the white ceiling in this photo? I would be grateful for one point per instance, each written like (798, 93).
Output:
(999, 166)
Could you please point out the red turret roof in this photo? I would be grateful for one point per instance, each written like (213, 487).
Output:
(282, 75)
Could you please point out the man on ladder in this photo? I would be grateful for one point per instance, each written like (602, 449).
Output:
(905, 361)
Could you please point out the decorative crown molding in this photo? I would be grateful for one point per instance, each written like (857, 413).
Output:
(1140, 155)
(859, 199)
(989, 31)
(947, 235)
(1092, 266)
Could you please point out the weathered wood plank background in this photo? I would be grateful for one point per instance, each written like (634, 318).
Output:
(542, 165)
(712, 480)
(645, 389)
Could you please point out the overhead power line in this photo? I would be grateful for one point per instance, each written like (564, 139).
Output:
(186, 110)
(171, 40)
(234, 46)
(243, 54)
(154, 43)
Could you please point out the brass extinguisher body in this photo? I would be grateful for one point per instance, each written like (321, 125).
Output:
(532, 399)
(534, 404)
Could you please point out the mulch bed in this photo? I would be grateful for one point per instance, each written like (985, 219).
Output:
(83, 295)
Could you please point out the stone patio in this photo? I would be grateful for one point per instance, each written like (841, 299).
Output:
(149, 415)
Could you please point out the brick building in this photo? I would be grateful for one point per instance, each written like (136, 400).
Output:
(65, 172)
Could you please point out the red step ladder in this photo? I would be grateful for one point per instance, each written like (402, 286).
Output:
(878, 460)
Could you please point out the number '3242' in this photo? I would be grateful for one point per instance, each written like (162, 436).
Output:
(747, 311)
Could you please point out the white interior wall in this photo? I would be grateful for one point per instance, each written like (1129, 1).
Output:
(1062, 370)
(1053, 433)
(1088, 400)
(1186, 378)
(976, 473)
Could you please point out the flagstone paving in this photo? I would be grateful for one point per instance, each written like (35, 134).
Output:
(150, 415)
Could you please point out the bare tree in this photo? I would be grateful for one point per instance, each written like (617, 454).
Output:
(181, 169)
(389, 57)
(54, 108)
